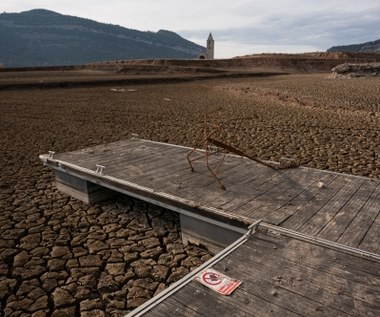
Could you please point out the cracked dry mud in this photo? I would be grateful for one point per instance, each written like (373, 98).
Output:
(61, 257)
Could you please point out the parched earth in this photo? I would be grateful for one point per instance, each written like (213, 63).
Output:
(61, 257)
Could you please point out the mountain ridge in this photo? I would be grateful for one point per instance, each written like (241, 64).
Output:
(368, 47)
(42, 37)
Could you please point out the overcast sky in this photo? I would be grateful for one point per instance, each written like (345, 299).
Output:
(239, 27)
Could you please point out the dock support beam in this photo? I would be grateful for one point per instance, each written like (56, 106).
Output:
(81, 189)
(215, 238)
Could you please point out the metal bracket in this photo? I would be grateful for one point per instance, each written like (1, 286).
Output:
(135, 136)
(99, 169)
(253, 227)
(51, 154)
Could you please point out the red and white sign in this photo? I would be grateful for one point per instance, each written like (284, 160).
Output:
(217, 281)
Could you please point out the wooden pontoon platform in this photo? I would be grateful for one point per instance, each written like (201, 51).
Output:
(314, 248)
(283, 273)
(337, 207)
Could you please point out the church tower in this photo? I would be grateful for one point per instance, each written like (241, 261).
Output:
(210, 47)
(209, 53)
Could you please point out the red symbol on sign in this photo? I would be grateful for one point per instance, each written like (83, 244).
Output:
(211, 278)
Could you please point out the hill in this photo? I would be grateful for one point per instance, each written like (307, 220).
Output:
(369, 47)
(46, 38)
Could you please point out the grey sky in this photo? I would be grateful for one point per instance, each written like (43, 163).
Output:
(239, 27)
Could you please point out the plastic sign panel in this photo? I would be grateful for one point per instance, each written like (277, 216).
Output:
(218, 282)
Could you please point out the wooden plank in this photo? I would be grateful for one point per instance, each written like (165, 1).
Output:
(316, 223)
(270, 289)
(280, 195)
(266, 199)
(235, 180)
(197, 186)
(138, 173)
(265, 180)
(306, 196)
(240, 303)
(157, 179)
(201, 171)
(138, 166)
(327, 289)
(96, 152)
(363, 287)
(214, 196)
(325, 195)
(171, 307)
(118, 153)
(131, 156)
(371, 241)
(319, 257)
(336, 227)
(363, 221)
(111, 158)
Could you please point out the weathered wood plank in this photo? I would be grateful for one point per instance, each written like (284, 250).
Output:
(118, 154)
(98, 152)
(324, 196)
(214, 196)
(265, 180)
(171, 307)
(130, 170)
(327, 289)
(240, 303)
(362, 222)
(306, 196)
(280, 195)
(319, 257)
(158, 178)
(272, 289)
(230, 163)
(110, 161)
(371, 241)
(267, 198)
(211, 193)
(235, 180)
(152, 168)
(336, 227)
(316, 223)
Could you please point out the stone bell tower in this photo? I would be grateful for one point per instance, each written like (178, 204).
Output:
(209, 54)
(210, 47)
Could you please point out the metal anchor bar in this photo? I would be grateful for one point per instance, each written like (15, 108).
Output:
(99, 169)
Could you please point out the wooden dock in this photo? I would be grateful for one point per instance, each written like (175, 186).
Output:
(283, 274)
(314, 252)
(345, 209)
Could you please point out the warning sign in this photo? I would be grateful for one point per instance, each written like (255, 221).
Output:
(217, 281)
